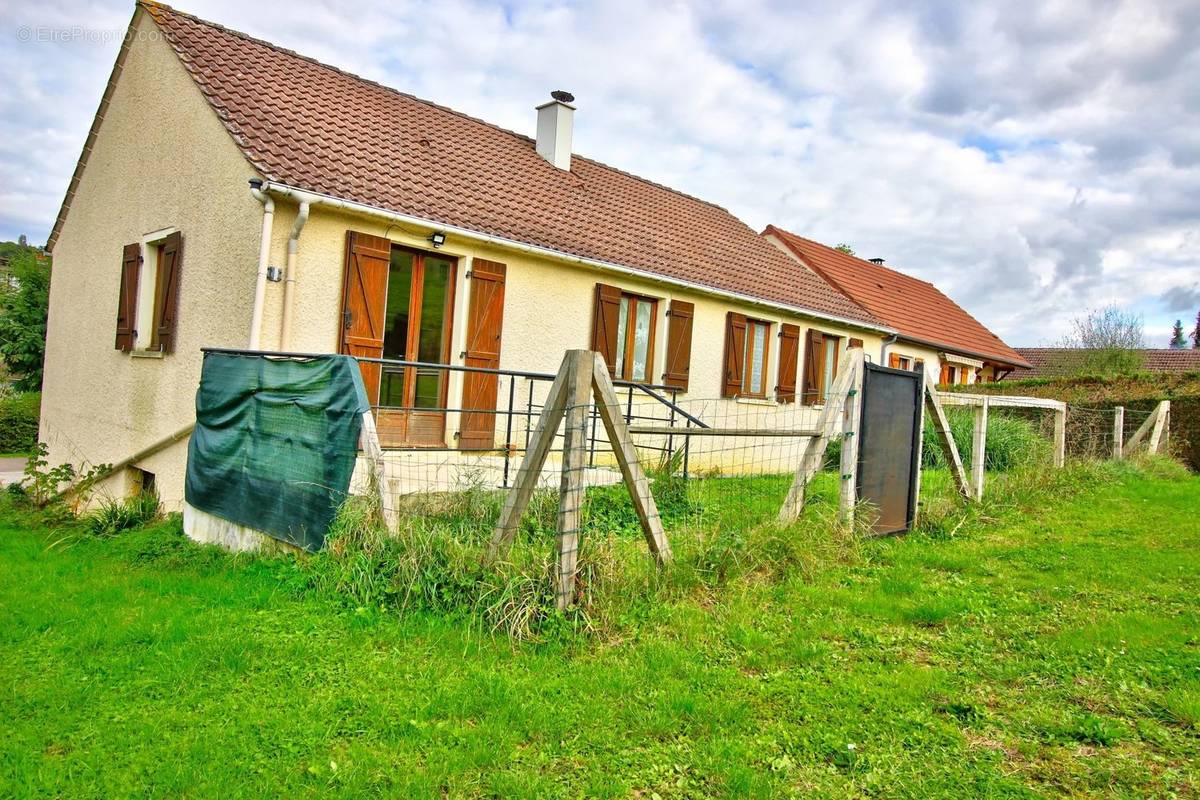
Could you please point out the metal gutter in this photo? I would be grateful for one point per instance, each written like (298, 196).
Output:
(316, 198)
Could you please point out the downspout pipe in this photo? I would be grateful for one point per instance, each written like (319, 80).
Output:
(289, 278)
(887, 342)
(264, 255)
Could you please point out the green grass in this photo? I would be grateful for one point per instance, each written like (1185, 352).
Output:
(1001, 652)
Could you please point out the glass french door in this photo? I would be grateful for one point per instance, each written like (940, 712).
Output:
(417, 327)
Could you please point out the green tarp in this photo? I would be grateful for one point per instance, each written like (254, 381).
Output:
(275, 442)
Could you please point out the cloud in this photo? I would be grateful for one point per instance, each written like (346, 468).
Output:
(1034, 160)
(1182, 298)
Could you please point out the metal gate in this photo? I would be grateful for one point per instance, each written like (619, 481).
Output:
(888, 448)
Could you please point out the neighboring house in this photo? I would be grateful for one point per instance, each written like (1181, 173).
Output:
(405, 230)
(931, 329)
(1046, 362)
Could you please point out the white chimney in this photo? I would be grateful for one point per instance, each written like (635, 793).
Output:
(555, 121)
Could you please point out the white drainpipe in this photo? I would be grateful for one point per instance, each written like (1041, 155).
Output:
(289, 278)
(264, 255)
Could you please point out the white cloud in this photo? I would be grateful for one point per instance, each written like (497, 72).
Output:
(1032, 159)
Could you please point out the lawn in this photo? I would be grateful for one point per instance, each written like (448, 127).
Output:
(1019, 654)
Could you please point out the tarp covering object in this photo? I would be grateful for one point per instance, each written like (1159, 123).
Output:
(275, 442)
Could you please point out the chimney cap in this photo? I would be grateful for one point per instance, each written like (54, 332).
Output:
(562, 97)
(876, 261)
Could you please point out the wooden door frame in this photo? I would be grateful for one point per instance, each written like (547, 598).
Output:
(416, 295)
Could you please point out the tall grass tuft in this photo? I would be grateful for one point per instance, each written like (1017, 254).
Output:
(116, 516)
(1012, 442)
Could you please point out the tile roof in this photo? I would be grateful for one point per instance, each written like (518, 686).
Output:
(1047, 361)
(912, 306)
(312, 126)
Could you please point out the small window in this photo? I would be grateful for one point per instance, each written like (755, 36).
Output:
(904, 362)
(635, 337)
(754, 375)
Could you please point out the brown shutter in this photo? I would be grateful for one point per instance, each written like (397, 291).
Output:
(364, 301)
(166, 292)
(945, 374)
(894, 360)
(735, 354)
(485, 320)
(131, 258)
(789, 355)
(604, 324)
(814, 357)
(679, 345)
(856, 343)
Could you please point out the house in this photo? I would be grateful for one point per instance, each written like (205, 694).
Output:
(931, 329)
(235, 194)
(1046, 362)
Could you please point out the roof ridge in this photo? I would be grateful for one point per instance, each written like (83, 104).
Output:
(154, 4)
(865, 261)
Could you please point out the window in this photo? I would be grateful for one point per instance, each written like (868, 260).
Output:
(635, 338)
(754, 376)
(148, 299)
(623, 330)
(416, 328)
(821, 353)
(897, 361)
(746, 342)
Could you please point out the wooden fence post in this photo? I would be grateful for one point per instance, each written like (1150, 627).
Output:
(1160, 424)
(369, 440)
(1118, 431)
(1060, 437)
(979, 448)
(814, 449)
(942, 427)
(851, 426)
(577, 401)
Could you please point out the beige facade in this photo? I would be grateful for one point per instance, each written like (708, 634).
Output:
(161, 159)
(150, 171)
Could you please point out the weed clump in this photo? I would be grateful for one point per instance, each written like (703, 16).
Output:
(116, 516)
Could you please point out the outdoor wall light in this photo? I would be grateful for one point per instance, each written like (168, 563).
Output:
(437, 238)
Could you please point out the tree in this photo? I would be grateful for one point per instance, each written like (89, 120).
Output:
(1177, 340)
(1196, 333)
(1104, 341)
(844, 248)
(23, 303)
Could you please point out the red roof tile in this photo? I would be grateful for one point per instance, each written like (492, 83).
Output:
(312, 126)
(912, 306)
(1049, 361)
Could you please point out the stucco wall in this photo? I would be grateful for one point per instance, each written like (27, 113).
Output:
(161, 159)
(548, 309)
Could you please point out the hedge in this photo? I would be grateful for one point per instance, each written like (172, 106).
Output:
(19, 422)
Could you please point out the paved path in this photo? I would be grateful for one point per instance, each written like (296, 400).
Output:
(11, 470)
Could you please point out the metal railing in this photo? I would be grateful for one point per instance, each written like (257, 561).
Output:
(529, 407)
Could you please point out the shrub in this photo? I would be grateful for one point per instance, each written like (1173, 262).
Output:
(19, 422)
(115, 516)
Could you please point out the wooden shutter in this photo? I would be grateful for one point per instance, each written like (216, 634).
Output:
(131, 258)
(789, 355)
(894, 360)
(814, 360)
(485, 320)
(735, 354)
(166, 291)
(679, 344)
(605, 317)
(856, 343)
(945, 374)
(364, 301)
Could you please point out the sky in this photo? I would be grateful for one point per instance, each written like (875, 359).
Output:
(1034, 160)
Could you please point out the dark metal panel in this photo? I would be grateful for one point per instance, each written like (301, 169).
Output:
(887, 468)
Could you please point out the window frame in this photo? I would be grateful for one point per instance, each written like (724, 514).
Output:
(629, 300)
(747, 358)
(824, 382)
(150, 288)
